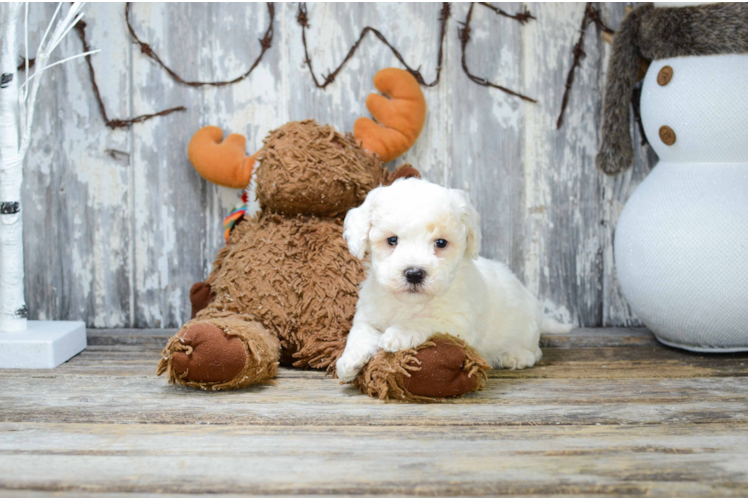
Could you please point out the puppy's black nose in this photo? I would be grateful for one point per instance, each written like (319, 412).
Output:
(415, 275)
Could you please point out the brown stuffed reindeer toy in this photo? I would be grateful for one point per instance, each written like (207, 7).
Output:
(284, 288)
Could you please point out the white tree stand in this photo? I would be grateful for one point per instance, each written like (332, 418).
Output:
(44, 344)
(25, 344)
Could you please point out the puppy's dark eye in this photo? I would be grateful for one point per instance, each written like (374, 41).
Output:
(441, 243)
(392, 240)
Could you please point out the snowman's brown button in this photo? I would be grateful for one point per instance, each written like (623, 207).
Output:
(667, 135)
(664, 76)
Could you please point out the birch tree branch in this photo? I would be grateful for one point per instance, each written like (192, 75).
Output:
(17, 105)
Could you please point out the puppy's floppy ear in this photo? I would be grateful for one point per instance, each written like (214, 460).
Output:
(471, 219)
(357, 225)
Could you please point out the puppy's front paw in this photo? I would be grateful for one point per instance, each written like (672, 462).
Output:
(398, 339)
(349, 365)
(518, 358)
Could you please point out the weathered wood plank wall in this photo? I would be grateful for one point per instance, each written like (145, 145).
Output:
(118, 225)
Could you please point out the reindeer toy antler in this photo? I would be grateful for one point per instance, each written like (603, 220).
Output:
(400, 115)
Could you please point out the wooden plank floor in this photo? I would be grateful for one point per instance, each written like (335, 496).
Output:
(606, 412)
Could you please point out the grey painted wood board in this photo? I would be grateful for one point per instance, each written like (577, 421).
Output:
(118, 225)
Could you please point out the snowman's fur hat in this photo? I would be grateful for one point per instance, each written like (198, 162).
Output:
(659, 33)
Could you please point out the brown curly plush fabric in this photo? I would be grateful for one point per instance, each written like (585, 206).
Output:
(297, 278)
(443, 367)
(284, 288)
(315, 170)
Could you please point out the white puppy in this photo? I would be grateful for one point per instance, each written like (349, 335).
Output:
(425, 277)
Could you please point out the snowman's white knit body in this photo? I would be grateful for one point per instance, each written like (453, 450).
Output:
(681, 243)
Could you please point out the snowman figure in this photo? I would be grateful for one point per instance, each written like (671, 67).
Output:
(681, 243)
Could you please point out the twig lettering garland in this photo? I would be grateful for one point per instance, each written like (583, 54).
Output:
(464, 34)
(113, 122)
(591, 14)
(578, 54)
(522, 17)
(302, 18)
(265, 43)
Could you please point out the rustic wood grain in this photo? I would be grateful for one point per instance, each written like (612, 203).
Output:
(577, 338)
(486, 147)
(320, 460)
(581, 354)
(77, 214)
(562, 185)
(590, 377)
(118, 225)
(607, 412)
(615, 191)
(308, 401)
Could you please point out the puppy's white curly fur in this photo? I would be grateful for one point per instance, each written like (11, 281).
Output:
(435, 233)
